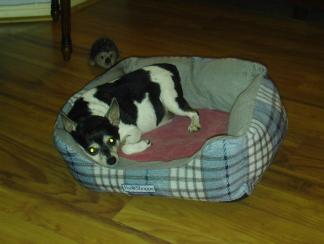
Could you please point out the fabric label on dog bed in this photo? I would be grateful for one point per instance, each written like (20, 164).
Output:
(173, 141)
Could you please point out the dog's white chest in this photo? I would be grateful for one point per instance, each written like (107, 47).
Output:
(146, 117)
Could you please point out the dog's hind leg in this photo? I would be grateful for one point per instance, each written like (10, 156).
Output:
(167, 76)
(179, 106)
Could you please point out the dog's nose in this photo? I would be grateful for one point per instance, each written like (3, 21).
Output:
(111, 161)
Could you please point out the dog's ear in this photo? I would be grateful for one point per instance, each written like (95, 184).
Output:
(113, 114)
(69, 124)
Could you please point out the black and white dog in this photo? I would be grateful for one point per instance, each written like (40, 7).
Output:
(117, 113)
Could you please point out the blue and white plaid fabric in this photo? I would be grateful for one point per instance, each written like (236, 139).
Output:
(225, 169)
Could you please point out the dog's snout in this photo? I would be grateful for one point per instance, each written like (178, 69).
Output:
(111, 161)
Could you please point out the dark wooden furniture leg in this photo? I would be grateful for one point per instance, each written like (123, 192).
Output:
(66, 43)
(55, 10)
(65, 12)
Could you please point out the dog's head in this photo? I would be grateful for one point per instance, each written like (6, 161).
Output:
(97, 135)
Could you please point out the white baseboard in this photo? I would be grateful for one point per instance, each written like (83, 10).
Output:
(30, 10)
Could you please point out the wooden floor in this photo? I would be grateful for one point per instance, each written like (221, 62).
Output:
(40, 202)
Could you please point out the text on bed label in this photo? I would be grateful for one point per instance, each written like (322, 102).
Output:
(138, 188)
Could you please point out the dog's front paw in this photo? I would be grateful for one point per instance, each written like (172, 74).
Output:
(136, 147)
(143, 145)
(194, 124)
(148, 142)
(194, 128)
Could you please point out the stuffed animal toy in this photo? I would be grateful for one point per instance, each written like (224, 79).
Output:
(104, 53)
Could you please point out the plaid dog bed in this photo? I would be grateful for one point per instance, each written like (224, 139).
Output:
(227, 167)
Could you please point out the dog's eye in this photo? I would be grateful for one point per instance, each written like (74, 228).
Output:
(93, 150)
(111, 141)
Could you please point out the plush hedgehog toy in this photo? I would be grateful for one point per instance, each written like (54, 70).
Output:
(103, 53)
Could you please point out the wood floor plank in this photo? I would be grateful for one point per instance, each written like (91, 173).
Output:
(29, 216)
(302, 151)
(256, 218)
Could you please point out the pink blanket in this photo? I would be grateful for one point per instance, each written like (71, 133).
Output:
(173, 141)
